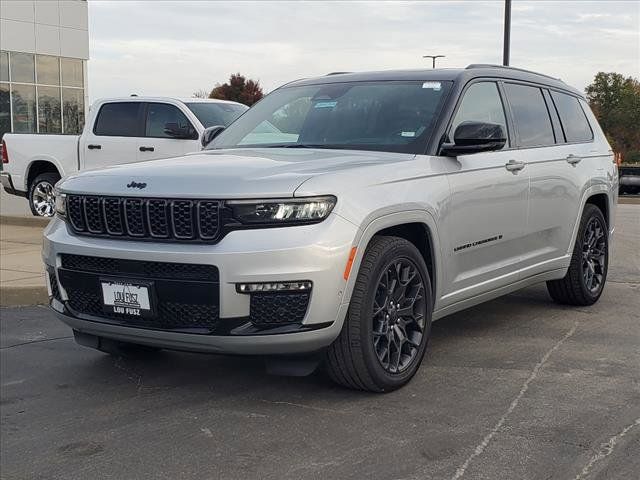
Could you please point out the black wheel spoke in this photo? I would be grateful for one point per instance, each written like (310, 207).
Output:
(399, 310)
(594, 255)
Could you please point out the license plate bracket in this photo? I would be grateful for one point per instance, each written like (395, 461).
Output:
(129, 298)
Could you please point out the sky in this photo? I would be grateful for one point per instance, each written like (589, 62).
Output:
(173, 48)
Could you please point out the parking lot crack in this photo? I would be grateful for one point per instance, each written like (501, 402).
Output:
(300, 405)
(480, 448)
(41, 340)
(606, 449)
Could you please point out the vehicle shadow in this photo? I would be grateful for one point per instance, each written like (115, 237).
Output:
(225, 374)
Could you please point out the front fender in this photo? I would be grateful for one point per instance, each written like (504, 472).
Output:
(385, 219)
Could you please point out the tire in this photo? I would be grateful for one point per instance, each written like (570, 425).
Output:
(41, 199)
(586, 262)
(356, 358)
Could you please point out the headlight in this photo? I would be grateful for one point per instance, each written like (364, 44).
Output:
(286, 211)
(61, 204)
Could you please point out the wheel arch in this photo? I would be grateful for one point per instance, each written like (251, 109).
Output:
(599, 196)
(37, 167)
(417, 227)
(600, 200)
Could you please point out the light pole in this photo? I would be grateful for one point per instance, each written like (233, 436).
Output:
(433, 58)
(507, 33)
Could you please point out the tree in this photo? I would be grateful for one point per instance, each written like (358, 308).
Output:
(615, 101)
(238, 89)
(200, 94)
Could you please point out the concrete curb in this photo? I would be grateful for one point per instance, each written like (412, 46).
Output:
(23, 295)
(24, 221)
(629, 200)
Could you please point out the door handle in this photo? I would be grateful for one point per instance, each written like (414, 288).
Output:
(514, 165)
(146, 149)
(94, 147)
(573, 160)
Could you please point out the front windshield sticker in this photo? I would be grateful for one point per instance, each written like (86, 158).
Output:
(408, 134)
(325, 104)
(432, 85)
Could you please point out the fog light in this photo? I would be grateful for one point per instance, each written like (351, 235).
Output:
(268, 287)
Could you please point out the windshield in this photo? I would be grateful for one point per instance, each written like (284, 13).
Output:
(394, 116)
(211, 114)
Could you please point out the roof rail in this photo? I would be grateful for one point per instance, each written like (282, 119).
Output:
(336, 73)
(490, 65)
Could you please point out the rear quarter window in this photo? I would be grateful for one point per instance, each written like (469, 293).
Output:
(574, 121)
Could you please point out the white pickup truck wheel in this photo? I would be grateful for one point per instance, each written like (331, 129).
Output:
(42, 200)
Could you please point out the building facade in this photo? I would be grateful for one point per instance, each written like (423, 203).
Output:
(44, 48)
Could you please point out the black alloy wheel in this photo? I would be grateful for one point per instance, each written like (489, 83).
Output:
(398, 315)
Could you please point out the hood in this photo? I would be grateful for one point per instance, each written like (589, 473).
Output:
(238, 173)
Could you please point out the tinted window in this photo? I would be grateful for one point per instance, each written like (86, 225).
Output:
(159, 114)
(574, 122)
(211, 114)
(73, 110)
(4, 66)
(48, 70)
(481, 103)
(5, 109)
(118, 120)
(23, 101)
(49, 110)
(72, 72)
(22, 68)
(530, 115)
(384, 116)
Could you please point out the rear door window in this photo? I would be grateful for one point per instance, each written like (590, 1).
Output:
(119, 119)
(574, 122)
(530, 115)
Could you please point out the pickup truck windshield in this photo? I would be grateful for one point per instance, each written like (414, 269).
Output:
(393, 116)
(211, 114)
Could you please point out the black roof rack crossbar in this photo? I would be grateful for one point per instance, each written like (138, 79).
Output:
(489, 65)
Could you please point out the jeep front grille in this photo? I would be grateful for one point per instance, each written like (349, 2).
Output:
(145, 218)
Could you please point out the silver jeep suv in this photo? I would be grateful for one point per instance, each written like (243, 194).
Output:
(337, 218)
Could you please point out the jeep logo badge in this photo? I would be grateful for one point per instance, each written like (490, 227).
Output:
(136, 185)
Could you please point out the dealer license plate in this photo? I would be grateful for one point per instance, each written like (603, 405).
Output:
(126, 298)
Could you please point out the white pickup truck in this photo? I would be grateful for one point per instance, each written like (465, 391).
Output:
(118, 130)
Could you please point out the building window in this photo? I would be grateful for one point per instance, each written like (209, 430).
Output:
(48, 69)
(71, 72)
(73, 107)
(23, 105)
(41, 94)
(22, 68)
(4, 66)
(49, 118)
(5, 109)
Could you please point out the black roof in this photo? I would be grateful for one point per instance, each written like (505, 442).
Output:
(459, 75)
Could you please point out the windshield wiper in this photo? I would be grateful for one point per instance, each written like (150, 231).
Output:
(300, 145)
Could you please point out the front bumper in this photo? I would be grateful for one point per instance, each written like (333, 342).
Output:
(317, 253)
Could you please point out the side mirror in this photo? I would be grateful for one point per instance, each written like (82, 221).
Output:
(473, 137)
(210, 133)
(180, 132)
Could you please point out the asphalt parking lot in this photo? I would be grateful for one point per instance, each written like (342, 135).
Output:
(518, 388)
